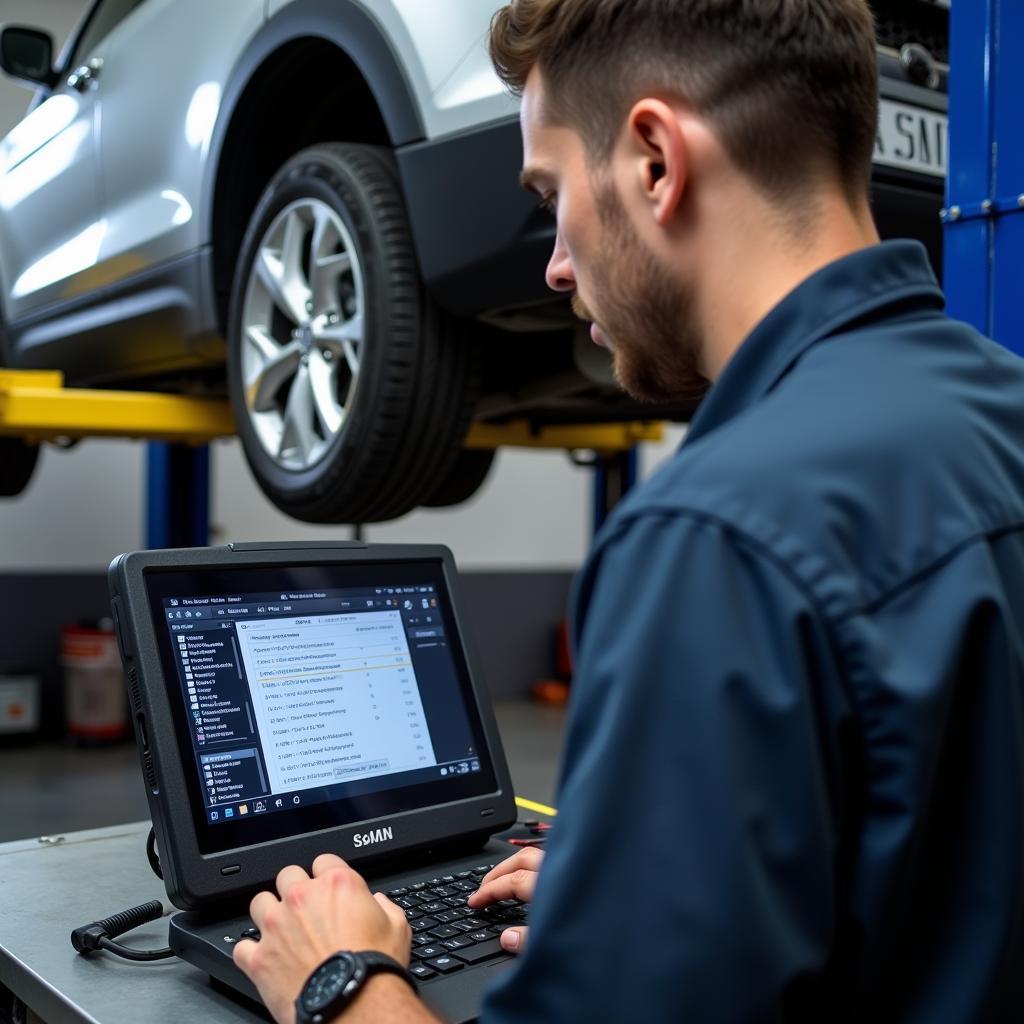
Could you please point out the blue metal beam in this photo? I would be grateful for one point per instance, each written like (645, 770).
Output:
(984, 214)
(177, 496)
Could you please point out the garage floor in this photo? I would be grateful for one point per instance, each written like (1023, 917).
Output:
(46, 790)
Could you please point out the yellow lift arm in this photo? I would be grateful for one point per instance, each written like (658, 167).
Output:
(35, 405)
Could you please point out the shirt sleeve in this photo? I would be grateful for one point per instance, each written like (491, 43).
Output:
(691, 874)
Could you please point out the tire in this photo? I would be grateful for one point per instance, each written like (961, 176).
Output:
(467, 476)
(352, 392)
(17, 462)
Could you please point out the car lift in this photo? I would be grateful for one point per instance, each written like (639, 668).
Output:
(35, 405)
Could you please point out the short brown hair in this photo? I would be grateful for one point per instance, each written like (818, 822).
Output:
(790, 87)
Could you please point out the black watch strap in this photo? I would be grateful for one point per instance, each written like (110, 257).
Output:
(377, 963)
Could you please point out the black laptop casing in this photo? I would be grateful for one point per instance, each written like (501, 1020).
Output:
(225, 880)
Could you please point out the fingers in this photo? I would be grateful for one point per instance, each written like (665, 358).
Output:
(514, 939)
(327, 862)
(529, 857)
(261, 905)
(519, 884)
(243, 953)
(289, 876)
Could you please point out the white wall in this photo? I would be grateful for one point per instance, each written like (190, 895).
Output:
(86, 505)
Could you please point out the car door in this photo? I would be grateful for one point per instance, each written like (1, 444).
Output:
(50, 223)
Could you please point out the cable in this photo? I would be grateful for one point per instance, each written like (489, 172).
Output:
(100, 934)
(151, 853)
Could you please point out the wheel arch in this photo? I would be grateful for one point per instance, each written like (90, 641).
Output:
(327, 51)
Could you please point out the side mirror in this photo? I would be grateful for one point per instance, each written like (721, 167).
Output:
(27, 53)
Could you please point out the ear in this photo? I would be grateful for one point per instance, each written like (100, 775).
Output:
(658, 147)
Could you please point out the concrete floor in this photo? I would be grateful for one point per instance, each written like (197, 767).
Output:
(46, 790)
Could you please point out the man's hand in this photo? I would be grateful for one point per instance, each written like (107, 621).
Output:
(314, 918)
(515, 877)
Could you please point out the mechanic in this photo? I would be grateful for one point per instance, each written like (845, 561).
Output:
(793, 788)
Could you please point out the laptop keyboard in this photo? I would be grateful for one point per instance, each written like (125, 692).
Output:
(448, 936)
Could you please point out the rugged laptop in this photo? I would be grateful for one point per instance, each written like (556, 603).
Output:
(296, 699)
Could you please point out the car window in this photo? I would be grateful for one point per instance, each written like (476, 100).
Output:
(105, 18)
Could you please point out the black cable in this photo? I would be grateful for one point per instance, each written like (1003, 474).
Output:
(101, 934)
(152, 855)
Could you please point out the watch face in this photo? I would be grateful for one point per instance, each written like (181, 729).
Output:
(327, 982)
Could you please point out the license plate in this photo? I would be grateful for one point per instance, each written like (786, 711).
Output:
(912, 139)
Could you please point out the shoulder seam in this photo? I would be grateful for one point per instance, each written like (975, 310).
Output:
(765, 551)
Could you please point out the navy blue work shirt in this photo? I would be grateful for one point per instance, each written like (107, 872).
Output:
(793, 788)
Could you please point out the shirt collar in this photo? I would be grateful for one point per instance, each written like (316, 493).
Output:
(853, 288)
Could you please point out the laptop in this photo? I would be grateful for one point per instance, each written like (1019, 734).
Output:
(293, 699)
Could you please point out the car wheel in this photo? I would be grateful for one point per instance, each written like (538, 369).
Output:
(352, 392)
(17, 461)
(467, 476)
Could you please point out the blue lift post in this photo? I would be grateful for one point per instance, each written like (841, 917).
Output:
(984, 214)
(614, 476)
(177, 496)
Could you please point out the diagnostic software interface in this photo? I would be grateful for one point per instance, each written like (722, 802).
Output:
(294, 698)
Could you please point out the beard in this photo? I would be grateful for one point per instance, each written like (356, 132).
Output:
(647, 315)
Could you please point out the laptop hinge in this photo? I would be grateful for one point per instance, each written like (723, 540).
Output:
(295, 545)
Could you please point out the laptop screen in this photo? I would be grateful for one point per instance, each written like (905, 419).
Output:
(306, 697)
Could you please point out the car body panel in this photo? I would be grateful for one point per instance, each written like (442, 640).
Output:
(50, 203)
(152, 167)
(440, 45)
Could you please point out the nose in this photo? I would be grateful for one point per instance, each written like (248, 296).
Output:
(559, 275)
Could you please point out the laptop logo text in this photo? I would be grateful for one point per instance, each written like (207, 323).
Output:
(378, 835)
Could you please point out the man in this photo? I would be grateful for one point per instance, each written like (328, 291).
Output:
(794, 779)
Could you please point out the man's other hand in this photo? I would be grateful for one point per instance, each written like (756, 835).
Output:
(515, 877)
(314, 918)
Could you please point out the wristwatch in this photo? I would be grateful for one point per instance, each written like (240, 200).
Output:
(337, 981)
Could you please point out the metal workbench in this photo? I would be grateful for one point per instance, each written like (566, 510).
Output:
(46, 889)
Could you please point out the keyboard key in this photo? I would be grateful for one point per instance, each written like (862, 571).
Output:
(475, 922)
(445, 964)
(433, 907)
(407, 902)
(422, 971)
(422, 924)
(446, 917)
(412, 915)
(481, 936)
(428, 952)
(465, 886)
(462, 926)
(447, 879)
(456, 901)
(444, 890)
(482, 951)
(433, 881)
(463, 874)
(462, 912)
(459, 942)
(397, 892)
(421, 940)
(417, 886)
(444, 932)
(251, 933)
(482, 869)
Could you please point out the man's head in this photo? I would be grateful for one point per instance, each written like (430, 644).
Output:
(658, 128)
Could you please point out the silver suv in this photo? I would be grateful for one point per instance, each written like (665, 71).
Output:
(312, 205)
